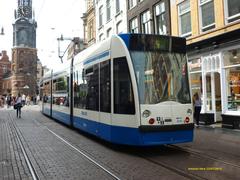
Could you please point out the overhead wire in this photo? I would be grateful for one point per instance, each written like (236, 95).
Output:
(40, 10)
(64, 13)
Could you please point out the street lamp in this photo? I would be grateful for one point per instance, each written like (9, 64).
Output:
(2, 31)
(74, 44)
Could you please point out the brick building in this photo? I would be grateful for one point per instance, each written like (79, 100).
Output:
(24, 52)
(5, 74)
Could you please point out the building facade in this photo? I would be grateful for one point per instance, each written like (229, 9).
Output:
(149, 16)
(5, 74)
(24, 52)
(212, 29)
(111, 18)
(89, 24)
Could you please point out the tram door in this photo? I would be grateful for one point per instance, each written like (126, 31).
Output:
(212, 86)
(105, 100)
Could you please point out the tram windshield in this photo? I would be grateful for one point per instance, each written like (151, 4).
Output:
(161, 76)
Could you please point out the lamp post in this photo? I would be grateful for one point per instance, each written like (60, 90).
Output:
(2, 33)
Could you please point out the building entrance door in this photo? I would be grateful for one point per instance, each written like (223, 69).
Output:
(212, 103)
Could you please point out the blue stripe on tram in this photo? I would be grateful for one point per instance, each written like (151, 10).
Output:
(125, 135)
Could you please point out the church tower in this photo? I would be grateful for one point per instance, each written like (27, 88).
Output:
(24, 52)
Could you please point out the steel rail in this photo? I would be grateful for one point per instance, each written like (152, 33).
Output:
(173, 169)
(189, 150)
(85, 155)
(28, 161)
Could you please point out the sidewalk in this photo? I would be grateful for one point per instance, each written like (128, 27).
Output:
(219, 126)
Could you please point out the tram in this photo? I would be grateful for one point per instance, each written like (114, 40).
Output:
(130, 89)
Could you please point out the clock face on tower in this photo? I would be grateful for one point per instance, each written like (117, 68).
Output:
(20, 12)
(24, 11)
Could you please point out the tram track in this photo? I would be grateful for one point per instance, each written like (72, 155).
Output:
(30, 166)
(173, 169)
(170, 166)
(164, 163)
(77, 150)
(194, 152)
(85, 155)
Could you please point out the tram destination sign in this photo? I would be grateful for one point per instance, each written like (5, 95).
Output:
(143, 42)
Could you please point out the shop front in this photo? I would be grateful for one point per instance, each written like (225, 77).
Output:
(215, 75)
(231, 111)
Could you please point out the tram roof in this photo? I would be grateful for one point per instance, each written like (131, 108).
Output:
(92, 51)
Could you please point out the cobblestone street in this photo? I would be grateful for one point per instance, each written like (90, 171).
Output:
(36, 147)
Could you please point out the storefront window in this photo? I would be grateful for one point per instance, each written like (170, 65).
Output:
(232, 70)
(233, 88)
(195, 76)
(232, 57)
(196, 83)
(195, 65)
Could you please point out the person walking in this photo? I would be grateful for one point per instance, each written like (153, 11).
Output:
(38, 99)
(23, 99)
(9, 100)
(28, 100)
(18, 105)
(197, 107)
(1, 102)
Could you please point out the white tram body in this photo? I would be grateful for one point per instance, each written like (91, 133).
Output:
(129, 89)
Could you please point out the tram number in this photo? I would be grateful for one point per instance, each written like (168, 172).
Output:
(160, 120)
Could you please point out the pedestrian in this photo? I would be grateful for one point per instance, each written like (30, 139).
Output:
(197, 107)
(23, 99)
(38, 98)
(9, 99)
(18, 105)
(28, 100)
(1, 102)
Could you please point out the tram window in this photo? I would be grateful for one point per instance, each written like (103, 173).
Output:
(46, 92)
(105, 86)
(80, 89)
(92, 97)
(60, 91)
(123, 92)
(89, 71)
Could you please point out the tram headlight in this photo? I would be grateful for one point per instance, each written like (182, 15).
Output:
(189, 112)
(146, 113)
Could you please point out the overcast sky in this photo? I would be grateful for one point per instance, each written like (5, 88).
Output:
(54, 17)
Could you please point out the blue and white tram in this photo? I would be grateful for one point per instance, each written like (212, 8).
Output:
(130, 89)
